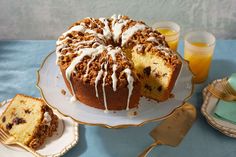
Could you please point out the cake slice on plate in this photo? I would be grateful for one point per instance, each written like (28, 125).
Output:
(29, 120)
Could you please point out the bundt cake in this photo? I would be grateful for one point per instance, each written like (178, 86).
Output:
(29, 120)
(108, 63)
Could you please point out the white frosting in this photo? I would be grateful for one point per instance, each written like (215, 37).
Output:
(112, 53)
(117, 25)
(47, 118)
(164, 49)
(58, 53)
(94, 33)
(103, 88)
(152, 39)
(97, 79)
(91, 60)
(88, 64)
(114, 78)
(73, 98)
(81, 54)
(138, 47)
(59, 42)
(130, 80)
(77, 28)
(130, 32)
(106, 29)
(84, 42)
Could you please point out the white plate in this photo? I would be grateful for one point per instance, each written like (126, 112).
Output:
(64, 139)
(208, 108)
(50, 82)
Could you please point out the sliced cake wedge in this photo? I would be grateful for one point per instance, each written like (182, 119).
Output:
(29, 120)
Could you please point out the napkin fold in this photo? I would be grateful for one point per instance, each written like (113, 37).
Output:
(226, 110)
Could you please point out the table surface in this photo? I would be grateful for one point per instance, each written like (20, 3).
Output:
(19, 61)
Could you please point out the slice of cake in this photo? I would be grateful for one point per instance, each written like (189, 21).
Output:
(29, 120)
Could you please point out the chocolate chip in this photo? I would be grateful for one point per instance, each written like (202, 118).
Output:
(139, 75)
(18, 121)
(157, 75)
(148, 87)
(27, 111)
(9, 126)
(3, 119)
(147, 70)
(159, 88)
(165, 74)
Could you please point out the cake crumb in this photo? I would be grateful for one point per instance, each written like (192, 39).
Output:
(172, 95)
(63, 92)
(3, 103)
(132, 113)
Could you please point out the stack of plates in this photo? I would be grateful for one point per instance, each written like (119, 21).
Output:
(208, 107)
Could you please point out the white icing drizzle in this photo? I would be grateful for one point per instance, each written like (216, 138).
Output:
(117, 25)
(112, 53)
(61, 41)
(114, 78)
(84, 42)
(73, 98)
(138, 47)
(88, 64)
(81, 28)
(152, 39)
(130, 32)
(58, 53)
(164, 49)
(47, 118)
(81, 54)
(98, 77)
(94, 33)
(106, 29)
(130, 80)
(103, 88)
(77, 28)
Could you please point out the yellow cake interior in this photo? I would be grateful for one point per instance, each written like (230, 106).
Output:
(30, 115)
(154, 74)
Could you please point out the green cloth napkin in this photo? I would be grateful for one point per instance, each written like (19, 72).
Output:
(226, 110)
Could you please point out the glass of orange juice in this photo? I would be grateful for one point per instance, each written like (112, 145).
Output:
(198, 50)
(171, 32)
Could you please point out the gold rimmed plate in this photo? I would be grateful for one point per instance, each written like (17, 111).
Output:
(208, 107)
(51, 84)
(64, 139)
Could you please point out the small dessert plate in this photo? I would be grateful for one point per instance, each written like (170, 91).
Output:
(207, 109)
(54, 91)
(64, 139)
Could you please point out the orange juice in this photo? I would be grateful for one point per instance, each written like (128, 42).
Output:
(170, 37)
(199, 61)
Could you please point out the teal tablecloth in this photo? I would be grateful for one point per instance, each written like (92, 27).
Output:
(19, 61)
